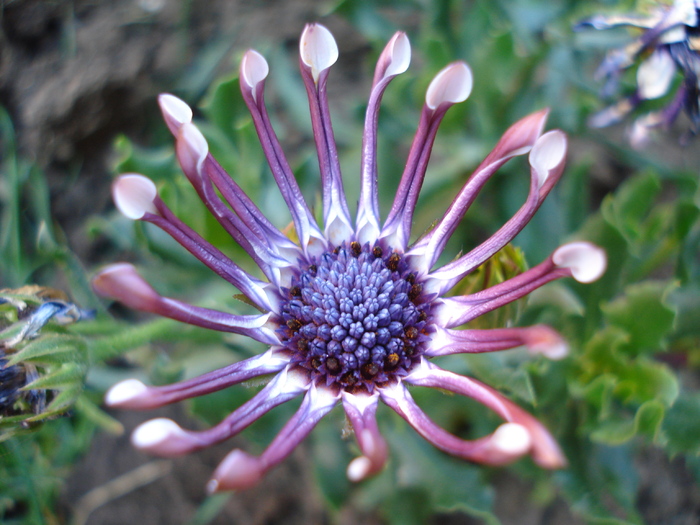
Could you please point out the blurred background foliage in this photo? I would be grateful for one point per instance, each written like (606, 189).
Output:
(630, 382)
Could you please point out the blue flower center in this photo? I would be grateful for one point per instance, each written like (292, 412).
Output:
(356, 317)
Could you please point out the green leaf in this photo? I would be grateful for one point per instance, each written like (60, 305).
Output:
(644, 380)
(647, 421)
(99, 417)
(67, 375)
(682, 425)
(628, 208)
(644, 314)
(51, 345)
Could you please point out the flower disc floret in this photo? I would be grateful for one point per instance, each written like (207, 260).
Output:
(356, 317)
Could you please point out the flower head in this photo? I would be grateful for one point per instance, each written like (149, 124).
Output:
(354, 312)
(667, 44)
(41, 371)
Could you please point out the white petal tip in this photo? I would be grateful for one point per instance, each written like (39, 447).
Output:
(124, 391)
(655, 75)
(545, 341)
(512, 439)
(399, 55)
(359, 468)
(318, 49)
(586, 261)
(451, 85)
(555, 351)
(175, 111)
(254, 68)
(547, 154)
(155, 433)
(133, 195)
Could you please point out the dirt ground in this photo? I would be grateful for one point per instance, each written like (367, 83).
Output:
(73, 75)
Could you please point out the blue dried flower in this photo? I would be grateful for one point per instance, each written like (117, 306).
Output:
(668, 44)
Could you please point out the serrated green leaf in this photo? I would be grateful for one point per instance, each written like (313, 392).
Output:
(603, 353)
(598, 393)
(67, 375)
(647, 421)
(643, 313)
(644, 380)
(50, 345)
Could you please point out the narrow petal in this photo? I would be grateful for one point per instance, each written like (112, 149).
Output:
(451, 85)
(539, 339)
(318, 52)
(136, 197)
(583, 261)
(258, 292)
(133, 394)
(361, 411)
(166, 438)
(122, 282)
(253, 73)
(517, 140)
(240, 471)
(547, 159)
(543, 447)
(394, 60)
(655, 75)
(505, 445)
(175, 112)
(248, 226)
(615, 20)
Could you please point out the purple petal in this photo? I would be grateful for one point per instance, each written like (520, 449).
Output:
(361, 411)
(517, 140)
(547, 160)
(544, 448)
(393, 61)
(451, 85)
(252, 82)
(583, 261)
(122, 283)
(134, 395)
(317, 54)
(239, 470)
(166, 438)
(248, 226)
(539, 339)
(503, 446)
(212, 257)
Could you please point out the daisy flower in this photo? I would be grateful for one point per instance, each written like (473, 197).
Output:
(353, 313)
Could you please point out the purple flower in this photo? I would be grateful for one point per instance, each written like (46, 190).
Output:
(667, 44)
(354, 312)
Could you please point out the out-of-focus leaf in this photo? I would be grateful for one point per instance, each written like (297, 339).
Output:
(628, 210)
(643, 380)
(66, 375)
(644, 314)
(647, 421)
(682, 425)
